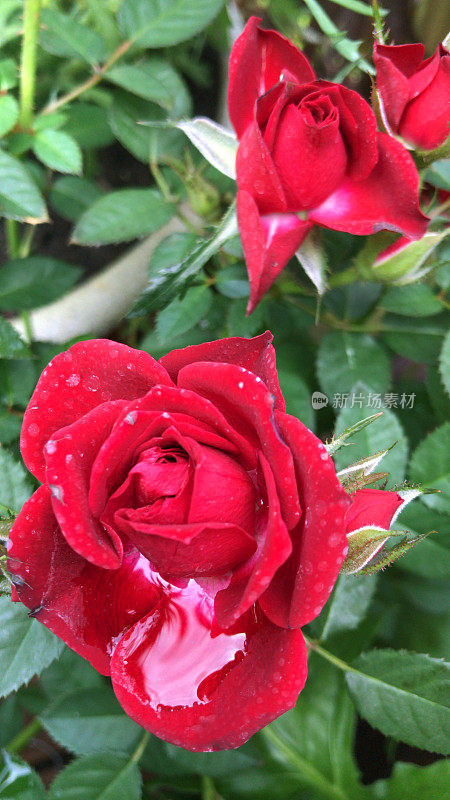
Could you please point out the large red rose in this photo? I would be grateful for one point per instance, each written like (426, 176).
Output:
(309, 153)
(185, 529)
(414, 94)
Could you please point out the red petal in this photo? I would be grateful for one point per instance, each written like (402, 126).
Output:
(387, 199)
(372, 507)
(200, 688)
(426, 120)
(87, 607)
(180, 551)
(256, 354)
(258, 59)
(255, 170)
(75, 382)
(248, 406)
(392, 82)
(303, 584)
(70, 456)
(269, 242)
(274, 547)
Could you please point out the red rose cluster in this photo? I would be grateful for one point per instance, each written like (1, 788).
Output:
(185, 529)
(309, 151)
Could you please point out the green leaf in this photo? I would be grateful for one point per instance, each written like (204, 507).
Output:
(26, 646)
(18, 781)
(358, 7)
(156, 80)
(232, 281)
(8, 74)
(9, 427)
(95, 777)
(430, 466)
(122, 216)
(168, 276)
(384, 432)
(419, 340)
(70, 196)
(58, 150)
(438, 174)
(11, 345)
(19, 196)
(348, 48)
(297, 396)
(30, 282)
(410, 782)
(215, 143)
(88, 124)
(182, 314)
(345, 358)
(405, 695)
(9, 113)
(126, 116)
(444, 363)
(416, 300)
(64, 36)
(158, 23)
(15, 488)
(348, 606)
(315, 739)
(91, 720)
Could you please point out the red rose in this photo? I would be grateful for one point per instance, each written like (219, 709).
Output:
(372, 508)
(309, 153)
(185, 529)
(414, 94)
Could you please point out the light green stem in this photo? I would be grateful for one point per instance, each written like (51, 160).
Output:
(24, 736)
(138, 753)
(32, 13)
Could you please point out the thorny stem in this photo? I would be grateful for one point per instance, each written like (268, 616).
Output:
(90, 82)
(32, 14)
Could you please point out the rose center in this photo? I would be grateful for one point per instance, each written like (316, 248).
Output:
(319, 112)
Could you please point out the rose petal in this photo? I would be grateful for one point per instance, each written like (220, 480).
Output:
(87, 607)
(200, 688)
(303, 584)
(372, 507)
(70, 456)
(255, 171)
(179, 551)
(274, 547)
(425, 122)
(248, 406)
(269, 242)
(83, 377)
(257, 61)
(387, 199)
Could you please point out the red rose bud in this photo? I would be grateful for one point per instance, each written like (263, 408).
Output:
(185, 529)
(368, 522)
(414, 94)
(405, 261)
(309, 153)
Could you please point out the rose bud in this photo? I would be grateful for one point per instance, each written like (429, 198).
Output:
(309, 153)
(185, 529)
(414, 94)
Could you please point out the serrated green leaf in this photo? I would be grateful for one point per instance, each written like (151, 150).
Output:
(384, 432)
(95, 777)
(8, 74)
(416, 300)
(411, 782)
(19, 196)
(405, 695)
(159, 23)
(126, 115)
(26, 646)
(70, 196)
(91, 720)
(58, 150)
(346, 358)
(347, 606)
(11, 345)
(182, 314)
(122, 216)
(156, 80)
(444, 363)
(88, 124)
(9, 113)
(18, 781)
(430, 466)
(62, 35)
(15, 487)
(30, 282)
(9, 427)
